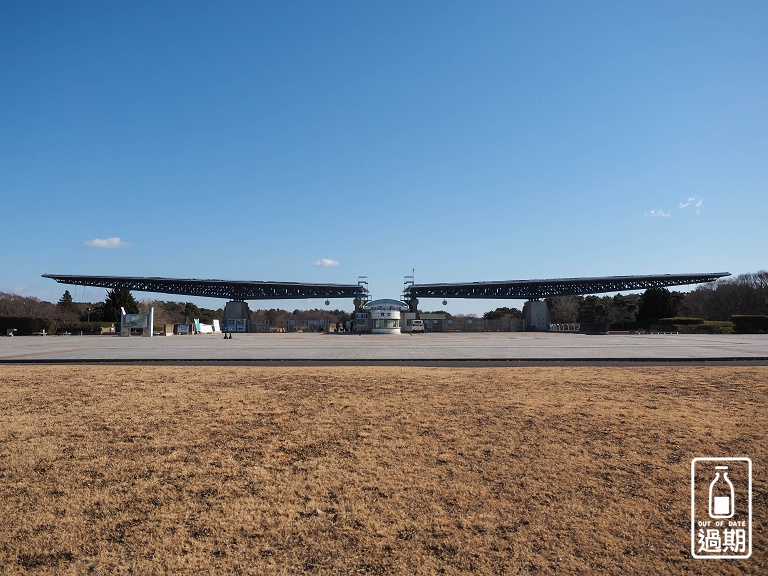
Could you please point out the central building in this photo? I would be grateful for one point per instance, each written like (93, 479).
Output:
(385, 315)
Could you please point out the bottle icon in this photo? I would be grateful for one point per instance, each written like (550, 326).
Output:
(721, 495)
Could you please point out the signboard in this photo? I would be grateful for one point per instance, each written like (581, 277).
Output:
(235, 325)
(137, 320)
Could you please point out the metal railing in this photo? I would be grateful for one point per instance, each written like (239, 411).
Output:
(567, 327)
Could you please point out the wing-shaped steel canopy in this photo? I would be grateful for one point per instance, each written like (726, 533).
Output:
(230, 289)
(262, 290)
(537, 289)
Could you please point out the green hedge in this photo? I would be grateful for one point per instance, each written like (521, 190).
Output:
(752, 324)
(624, 326)
(85, 327)
(27, 326)
(681, 321)
(706, 327)
(714, 327)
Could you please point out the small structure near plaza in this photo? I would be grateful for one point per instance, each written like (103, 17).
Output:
(385, 315)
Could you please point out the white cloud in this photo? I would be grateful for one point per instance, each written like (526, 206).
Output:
(106, 243)
(325, 262)
(693, 201)
(657, 213)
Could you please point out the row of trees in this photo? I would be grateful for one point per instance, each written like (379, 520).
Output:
(746, 294)
(743, 294)
(274, 318)
(619, 309)
(66, 311)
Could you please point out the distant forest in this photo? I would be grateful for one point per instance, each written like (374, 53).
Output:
(716, 305)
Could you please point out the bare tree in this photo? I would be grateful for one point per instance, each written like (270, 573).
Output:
(564, 309)
(26, 306)
(743, 294)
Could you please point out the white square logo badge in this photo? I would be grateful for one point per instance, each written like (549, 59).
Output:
(721, 508)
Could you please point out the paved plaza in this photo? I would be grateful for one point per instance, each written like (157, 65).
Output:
(499, 347)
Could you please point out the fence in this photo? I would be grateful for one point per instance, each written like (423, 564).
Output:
(466, 324)
(570, 327)
(454, 324)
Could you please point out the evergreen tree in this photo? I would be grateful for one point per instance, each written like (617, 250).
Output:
(116, 299)
(502, 313)
(624, 307)
(594, 309)
(67, 310)
(657, 303)
(66, 301)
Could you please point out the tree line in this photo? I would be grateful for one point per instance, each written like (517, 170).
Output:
(29, 314)
(745, 295)
(726, 300)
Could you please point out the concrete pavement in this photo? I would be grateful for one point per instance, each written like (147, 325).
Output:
(463, 348)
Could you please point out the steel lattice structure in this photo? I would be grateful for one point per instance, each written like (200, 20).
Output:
(538, 289)
(512, 289)
(230, 289)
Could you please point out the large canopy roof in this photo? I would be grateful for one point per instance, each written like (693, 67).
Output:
(536, 289)
(512, 289)
(230, 289)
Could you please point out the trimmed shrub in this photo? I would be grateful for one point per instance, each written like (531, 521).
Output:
(84, 327)
(27, 326)
(702, 327)
(681, 321)
(712, 327)
(750, 324)
(720, 326)
(625, 326)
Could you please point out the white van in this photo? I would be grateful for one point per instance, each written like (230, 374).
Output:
(417, 326)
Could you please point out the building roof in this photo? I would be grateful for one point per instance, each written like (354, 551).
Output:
(230, 289)
(548, 288)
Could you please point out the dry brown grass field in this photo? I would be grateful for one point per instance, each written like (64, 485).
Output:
(351, 470)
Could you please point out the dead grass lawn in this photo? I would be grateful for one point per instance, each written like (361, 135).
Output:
(208, 470)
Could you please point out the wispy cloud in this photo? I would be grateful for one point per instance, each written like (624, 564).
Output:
(694, 202)
(106, 243)
(325, 262)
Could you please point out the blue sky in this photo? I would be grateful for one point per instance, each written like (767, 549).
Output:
(469, 141)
